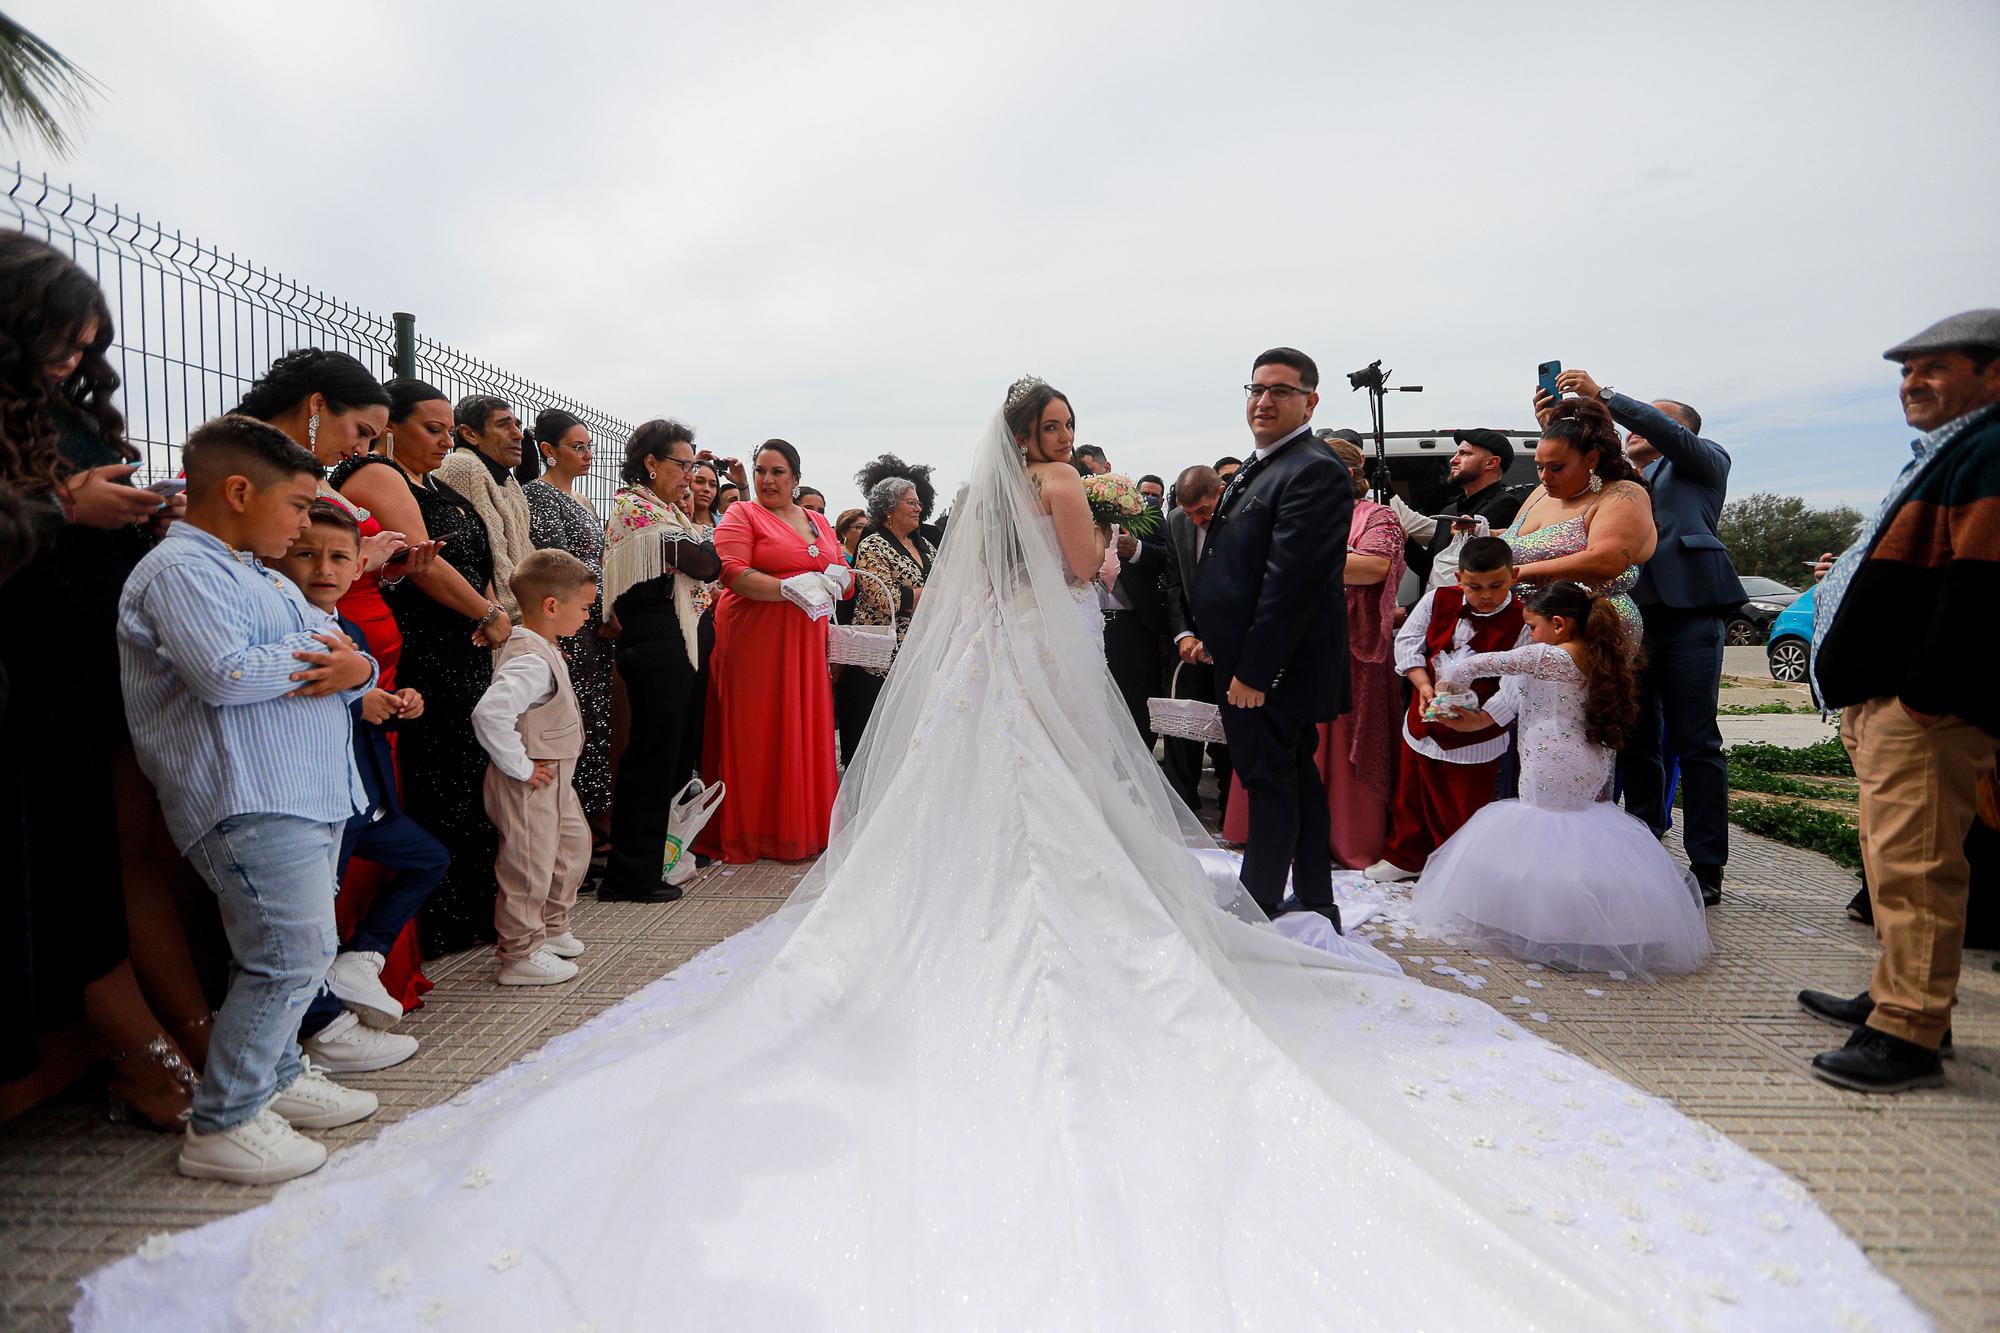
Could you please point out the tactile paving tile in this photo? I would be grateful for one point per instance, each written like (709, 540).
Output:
(1915, 1179)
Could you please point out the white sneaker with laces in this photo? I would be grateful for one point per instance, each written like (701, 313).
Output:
(263, 1150)
(314, 1101)
(1387, 872)
(541, 968)
(356, 980)
(565, 945)
(344, 1046)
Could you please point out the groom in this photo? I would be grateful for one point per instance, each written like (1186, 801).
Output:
(1269, 598)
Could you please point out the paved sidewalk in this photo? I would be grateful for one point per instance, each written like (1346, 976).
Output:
(1914, 1179)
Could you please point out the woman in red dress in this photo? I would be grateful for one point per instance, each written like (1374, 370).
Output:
(770, 706)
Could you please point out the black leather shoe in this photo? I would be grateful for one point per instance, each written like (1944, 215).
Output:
(1710, 879)
(1877, 1062)
(654, 893)
(1853, 1013)
(1860, 909)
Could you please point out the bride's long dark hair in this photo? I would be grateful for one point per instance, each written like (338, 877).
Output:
(1610, 664)
(1025, 400)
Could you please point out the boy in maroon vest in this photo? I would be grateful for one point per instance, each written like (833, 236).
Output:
(1444, 774)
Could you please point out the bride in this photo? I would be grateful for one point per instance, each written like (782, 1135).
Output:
(1009, 1059)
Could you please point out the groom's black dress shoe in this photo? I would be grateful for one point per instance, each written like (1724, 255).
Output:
(1330, 912)
(654, 893)
(1877, 1062)
(1853, 1013)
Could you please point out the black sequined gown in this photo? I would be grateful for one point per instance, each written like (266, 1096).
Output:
(558, 519)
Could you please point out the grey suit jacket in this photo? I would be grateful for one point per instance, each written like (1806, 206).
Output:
(1177, 580)
(1690, 567)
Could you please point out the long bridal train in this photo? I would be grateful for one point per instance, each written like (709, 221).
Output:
(1003, 1062)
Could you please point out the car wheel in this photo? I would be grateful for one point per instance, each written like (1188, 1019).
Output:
(1788, 660)
(1741, 632)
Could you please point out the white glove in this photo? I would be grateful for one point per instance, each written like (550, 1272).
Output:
(808, 592)
(841, 577)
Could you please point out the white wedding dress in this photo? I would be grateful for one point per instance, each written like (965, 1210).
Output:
(1008, 1060)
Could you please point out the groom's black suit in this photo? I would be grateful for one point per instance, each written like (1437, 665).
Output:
(1269, 598)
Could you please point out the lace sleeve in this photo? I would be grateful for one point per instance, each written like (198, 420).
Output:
(1544, 661)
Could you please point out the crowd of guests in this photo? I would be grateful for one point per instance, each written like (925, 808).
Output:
(375, 680)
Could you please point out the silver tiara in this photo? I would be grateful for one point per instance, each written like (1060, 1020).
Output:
(1020, 389)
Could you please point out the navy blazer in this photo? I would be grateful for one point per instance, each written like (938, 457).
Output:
(371, 750)
(1268, 591)
(1690, 567)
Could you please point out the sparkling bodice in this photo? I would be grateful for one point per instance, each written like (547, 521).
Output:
(1561, 769)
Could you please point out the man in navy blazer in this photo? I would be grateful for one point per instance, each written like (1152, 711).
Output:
(1269, 597)
(1685, 593)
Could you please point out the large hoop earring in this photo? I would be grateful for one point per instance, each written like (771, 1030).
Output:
(312, 433)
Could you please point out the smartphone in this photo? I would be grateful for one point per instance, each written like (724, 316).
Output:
(1546, 373)
(399, 557)
(168, 487)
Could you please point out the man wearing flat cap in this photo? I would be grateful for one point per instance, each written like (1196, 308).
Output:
(1921, 722)
(1480, 461)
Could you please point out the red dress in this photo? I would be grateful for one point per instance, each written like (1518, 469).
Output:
(402, 970)
(770, 700)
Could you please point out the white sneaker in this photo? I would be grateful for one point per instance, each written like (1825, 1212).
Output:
(356, 980)
(263, 1150)
(565, 945)
(541, 968)
(314, 1101)
(344, 1046)
(1387, 872)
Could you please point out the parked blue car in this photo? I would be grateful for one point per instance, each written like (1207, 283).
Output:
(1789, 646)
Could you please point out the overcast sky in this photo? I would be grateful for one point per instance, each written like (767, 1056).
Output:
(853, 225)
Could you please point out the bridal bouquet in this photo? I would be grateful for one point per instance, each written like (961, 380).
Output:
(1114, 499)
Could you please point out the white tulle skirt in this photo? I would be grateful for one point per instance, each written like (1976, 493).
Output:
(1590, 889)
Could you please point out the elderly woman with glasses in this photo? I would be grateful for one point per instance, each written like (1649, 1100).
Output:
(899, 559)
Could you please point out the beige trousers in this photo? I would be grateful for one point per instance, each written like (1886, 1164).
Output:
(1919, 794)
(544, 854)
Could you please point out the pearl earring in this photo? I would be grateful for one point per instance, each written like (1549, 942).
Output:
(312, 432)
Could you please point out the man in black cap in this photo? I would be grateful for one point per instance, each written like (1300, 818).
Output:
(1893, 622)
(1685, 592)
(1481, 460)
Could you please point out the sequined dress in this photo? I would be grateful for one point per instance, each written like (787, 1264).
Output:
(560, 520)
(1568, 538)
(1560, 875)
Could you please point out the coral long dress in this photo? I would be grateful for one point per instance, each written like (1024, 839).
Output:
(770, 700)
(402, 970)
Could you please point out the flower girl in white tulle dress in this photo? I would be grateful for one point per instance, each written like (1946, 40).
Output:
(1562, 875)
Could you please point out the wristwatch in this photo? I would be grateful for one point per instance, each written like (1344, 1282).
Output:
(1603, 393)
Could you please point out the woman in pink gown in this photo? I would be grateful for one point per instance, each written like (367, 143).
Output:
(1357, 750)
(769, 735)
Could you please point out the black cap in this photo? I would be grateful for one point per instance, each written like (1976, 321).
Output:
(1492, 441)
(1353, 437)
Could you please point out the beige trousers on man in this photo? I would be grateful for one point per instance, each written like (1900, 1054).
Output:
(544, 854)
(1919, 794)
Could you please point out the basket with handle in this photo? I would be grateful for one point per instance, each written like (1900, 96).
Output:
(1185, 719)
(863, 645)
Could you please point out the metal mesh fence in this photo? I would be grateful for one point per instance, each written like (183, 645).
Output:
(196, 326)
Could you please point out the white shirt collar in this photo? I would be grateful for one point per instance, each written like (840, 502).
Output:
(1265, 451)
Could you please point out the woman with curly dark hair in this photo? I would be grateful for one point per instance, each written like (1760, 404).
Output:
(1591, 519)
(75, 846)
(1562, 875)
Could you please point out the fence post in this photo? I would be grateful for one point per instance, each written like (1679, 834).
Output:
(406, 345)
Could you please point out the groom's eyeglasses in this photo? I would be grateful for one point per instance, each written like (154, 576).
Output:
(1280, 393)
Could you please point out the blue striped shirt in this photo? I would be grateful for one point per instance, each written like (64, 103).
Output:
(205, 642)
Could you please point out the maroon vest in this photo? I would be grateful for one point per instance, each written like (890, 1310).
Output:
(1490, 634)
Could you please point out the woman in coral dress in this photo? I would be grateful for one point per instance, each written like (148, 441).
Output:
(770, 707)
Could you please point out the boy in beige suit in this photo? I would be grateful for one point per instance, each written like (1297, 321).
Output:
(532, 731)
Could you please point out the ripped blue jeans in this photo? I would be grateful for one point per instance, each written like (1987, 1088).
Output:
(273, 877)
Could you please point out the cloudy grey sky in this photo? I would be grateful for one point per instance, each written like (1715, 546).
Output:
(852, 225)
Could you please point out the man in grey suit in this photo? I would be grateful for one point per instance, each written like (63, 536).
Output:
(1685, 593)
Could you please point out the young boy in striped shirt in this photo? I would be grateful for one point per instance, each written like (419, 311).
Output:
(237, 691)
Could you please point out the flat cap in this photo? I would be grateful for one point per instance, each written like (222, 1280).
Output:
(1492, 441)
(1974, 328)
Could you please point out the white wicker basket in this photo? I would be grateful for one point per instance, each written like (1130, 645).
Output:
(1186, 719)
(862, 645)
